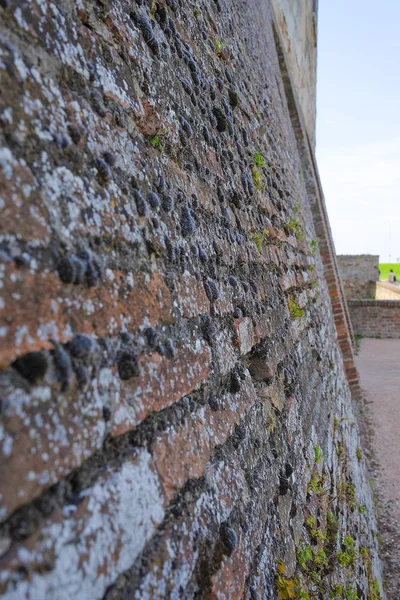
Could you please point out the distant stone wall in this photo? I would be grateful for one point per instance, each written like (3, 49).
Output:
(375, 318)
(387, 291)
(359, 274)
(297, 22)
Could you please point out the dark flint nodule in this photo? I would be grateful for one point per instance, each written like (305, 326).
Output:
(236, 383)
(211, 290)
(140, 202)
(128, 365)
(62, 365)
(151, 336)
(209, 329)
(160, 183)
(109, 158)
(188, 223)
(169, 348)
(97, 102)
(214, 403)
(154, 200)
(144, 23)
(74, 133)
(80, 346)
(94, 271)
(228, 538)
(71, 269)
(222, 123)
(203, 255)
(167, 203)
(32, 366)
(237, 313)
(82, 376)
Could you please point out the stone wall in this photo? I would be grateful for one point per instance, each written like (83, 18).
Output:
(359, 274)
(376, 318)
(323, 240)
(176, 350)
(297, 23)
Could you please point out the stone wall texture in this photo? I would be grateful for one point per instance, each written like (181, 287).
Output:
(359, 274)
(297, 23)
(176, 349)
(376, 318)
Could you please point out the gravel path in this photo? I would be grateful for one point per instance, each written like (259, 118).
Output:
(379, 366)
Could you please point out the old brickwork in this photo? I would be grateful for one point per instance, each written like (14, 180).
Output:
(176, 415)
(324, 239)
(376, 318)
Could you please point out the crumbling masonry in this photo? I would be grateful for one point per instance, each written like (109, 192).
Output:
(176, 353)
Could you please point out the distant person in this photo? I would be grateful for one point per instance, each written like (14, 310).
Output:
(392, 276)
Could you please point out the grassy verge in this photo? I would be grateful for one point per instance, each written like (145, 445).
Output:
(385, 268)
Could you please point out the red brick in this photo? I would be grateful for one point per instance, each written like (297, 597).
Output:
(22, 214)
(49, 308)
(244, 330)
(191, 298)
(229, 582)
(226, 483)
(182, 452)
(163, 382)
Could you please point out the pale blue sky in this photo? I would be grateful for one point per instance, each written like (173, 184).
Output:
(358, 123)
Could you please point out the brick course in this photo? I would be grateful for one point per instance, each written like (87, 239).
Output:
(376, 318)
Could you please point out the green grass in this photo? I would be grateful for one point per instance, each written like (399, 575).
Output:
(385, 268)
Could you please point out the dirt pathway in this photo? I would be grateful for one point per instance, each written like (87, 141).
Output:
(379, 367)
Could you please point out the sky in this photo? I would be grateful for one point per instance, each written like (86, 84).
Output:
(358, 123)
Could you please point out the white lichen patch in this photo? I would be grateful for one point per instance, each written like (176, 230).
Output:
(45, 437)
(7, 162)
(109, 529)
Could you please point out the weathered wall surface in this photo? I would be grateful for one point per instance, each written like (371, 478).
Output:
(175, 414)
(387, 291)
(376, 318)
(324, 239)
(359, 274)
(297, 23)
